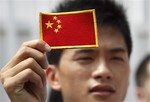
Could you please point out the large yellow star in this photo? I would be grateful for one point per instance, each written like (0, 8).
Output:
(49, 24)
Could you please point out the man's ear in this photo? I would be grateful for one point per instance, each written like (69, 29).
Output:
(52, 77)
(140, 94)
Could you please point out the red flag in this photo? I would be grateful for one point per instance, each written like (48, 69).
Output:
(69, 29)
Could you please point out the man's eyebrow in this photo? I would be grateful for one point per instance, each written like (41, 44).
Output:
(116, 50)
(113, 50)
(85, 51)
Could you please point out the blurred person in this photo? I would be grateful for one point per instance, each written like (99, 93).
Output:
(75, 75)
(143, 80)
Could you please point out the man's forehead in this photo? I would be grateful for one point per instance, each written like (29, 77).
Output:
(82, 50)
(94, 50)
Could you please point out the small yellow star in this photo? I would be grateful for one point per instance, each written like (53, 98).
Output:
(56, 30)
(54, 18)
(49, 24)
(58, 21)
(59, 26)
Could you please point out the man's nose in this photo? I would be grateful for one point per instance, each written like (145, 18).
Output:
(103, 72)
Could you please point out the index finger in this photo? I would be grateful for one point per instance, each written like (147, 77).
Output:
(38, 44)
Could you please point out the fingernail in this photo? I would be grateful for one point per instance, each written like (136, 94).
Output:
(46, 62)
(47, 47)
(46, 65)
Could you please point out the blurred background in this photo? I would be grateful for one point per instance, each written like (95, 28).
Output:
(19, 22)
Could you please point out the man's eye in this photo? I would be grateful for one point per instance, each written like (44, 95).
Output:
(117, 59)
(86, 58)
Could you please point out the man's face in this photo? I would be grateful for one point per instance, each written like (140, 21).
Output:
(96, 74)
(144, 91)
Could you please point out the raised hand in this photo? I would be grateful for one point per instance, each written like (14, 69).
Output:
(23, 77)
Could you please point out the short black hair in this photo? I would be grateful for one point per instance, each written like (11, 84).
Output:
(141, 73)
(108, 13)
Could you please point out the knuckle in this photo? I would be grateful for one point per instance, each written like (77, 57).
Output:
(2, 77)
(39, 79)
(41, 56)
(38, 42)
(23, 50)
(2, 70)
(9, 87)
(25, 43)
(29, 72)
(31, 61)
